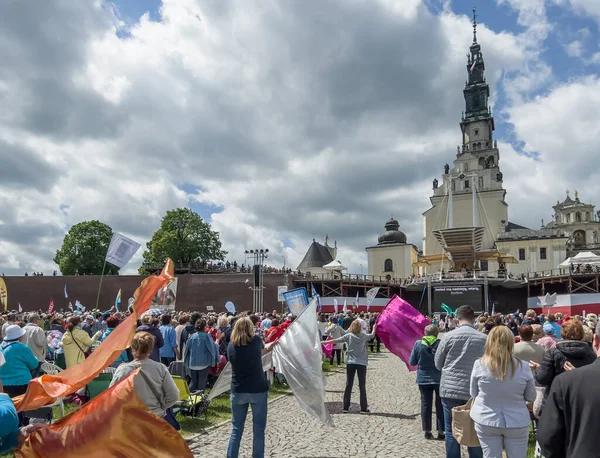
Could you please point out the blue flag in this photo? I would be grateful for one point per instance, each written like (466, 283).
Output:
(66, 295)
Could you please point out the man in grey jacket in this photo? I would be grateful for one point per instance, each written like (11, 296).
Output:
(35, 339)
(455, 356)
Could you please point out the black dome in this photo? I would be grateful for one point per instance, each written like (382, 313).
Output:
(392, 233)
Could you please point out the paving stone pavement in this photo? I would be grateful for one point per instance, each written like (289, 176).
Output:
(392, 429)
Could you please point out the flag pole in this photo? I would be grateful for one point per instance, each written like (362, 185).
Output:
(100, 287)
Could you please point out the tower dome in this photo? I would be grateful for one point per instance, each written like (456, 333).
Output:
(392, 233)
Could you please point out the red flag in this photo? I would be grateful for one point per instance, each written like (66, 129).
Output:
(51, 307)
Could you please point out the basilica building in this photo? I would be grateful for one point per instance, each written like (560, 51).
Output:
(467, 227)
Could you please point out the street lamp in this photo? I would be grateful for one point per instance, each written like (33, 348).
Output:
(258, 257)
(284, 258)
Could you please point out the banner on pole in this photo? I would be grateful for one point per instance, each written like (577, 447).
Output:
(230, 307)
(121, 250)
(296, 300)
(371, 294)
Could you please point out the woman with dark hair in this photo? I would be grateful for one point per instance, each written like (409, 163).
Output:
(201, 353)
(153, 385)
(571, 350)
(76, 342)
(112, 322)
(148, 326)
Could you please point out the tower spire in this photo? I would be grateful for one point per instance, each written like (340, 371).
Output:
(474, 25)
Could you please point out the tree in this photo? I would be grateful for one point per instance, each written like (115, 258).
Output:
(84, 249)
(184, 237)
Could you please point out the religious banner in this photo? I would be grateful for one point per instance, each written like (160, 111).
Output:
(51, 307)
(296, 300)
(3, 294)
(121, 250)
(399, 326)
(166, 298)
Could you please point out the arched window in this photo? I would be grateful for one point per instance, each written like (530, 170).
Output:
(578, 217)
(388, 265)
(491, 161)
(587, 216)
(481, 163)
(568, 217)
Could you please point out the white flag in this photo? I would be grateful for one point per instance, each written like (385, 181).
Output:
(335, 306)
(121, 250)
(223, 383)
(298, 356)
(20, 308)
(345, 309)
(371, 294)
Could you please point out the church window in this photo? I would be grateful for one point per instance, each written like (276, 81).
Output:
(543, 253)
(578, 217)
(568, 217)
(587, 216)
(476, 131)
(388, 265)
(466, 184)
(521, 254)
(491, 161)
(466, 168)
(481, 163)
(483, 266)
(480, 182)
(453, 185)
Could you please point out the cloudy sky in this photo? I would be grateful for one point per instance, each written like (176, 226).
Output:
(280, 121)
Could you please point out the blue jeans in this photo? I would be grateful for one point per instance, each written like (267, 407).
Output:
(239, 411)
(452, 446)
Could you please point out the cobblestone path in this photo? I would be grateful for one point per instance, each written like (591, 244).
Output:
(392, 429)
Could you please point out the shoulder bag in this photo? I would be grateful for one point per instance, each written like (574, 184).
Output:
(463, 426)
(87, 353)
(169, 415)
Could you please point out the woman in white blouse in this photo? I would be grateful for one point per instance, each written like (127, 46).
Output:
(501, 387)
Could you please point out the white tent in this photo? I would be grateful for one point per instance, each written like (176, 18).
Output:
(336, 265)
(585, 257)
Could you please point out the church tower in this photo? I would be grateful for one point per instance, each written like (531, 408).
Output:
(471, 194)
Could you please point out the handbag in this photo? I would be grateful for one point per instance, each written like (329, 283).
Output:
(87, 353)
(463, 426)
(169, 415)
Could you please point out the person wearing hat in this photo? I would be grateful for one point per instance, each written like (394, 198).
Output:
(15, 374)
(549, 340)
(88, 324)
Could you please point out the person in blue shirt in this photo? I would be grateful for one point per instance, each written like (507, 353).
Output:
(169, 351)
(112, 322)
(15, 374)
(11, 436)
(201, 353)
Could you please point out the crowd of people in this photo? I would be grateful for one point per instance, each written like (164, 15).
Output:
(512, 369)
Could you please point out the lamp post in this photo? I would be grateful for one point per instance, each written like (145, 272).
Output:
(258, 257)
(284, 258)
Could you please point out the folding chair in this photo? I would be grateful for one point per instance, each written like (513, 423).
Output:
(98, 385)
(53, 369)
(190, 404)
(109, 370)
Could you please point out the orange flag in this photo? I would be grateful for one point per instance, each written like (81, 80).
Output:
(46, 389)
(115, 423)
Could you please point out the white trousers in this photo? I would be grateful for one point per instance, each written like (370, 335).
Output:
(493, 440)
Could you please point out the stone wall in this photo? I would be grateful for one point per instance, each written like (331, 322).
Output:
(194, 292)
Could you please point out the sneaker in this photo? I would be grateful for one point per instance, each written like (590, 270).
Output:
(365, 411)
(428, 435)
(344, 410)
(441, 437)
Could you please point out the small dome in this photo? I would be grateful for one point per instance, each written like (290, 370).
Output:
(392, 233)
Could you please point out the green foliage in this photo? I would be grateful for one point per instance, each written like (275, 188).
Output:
(84, 249)
(183, 236)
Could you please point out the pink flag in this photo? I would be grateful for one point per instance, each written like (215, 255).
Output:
(328, 348)
(399, 326)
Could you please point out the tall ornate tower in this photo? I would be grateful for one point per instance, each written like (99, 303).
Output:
(471, 192)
